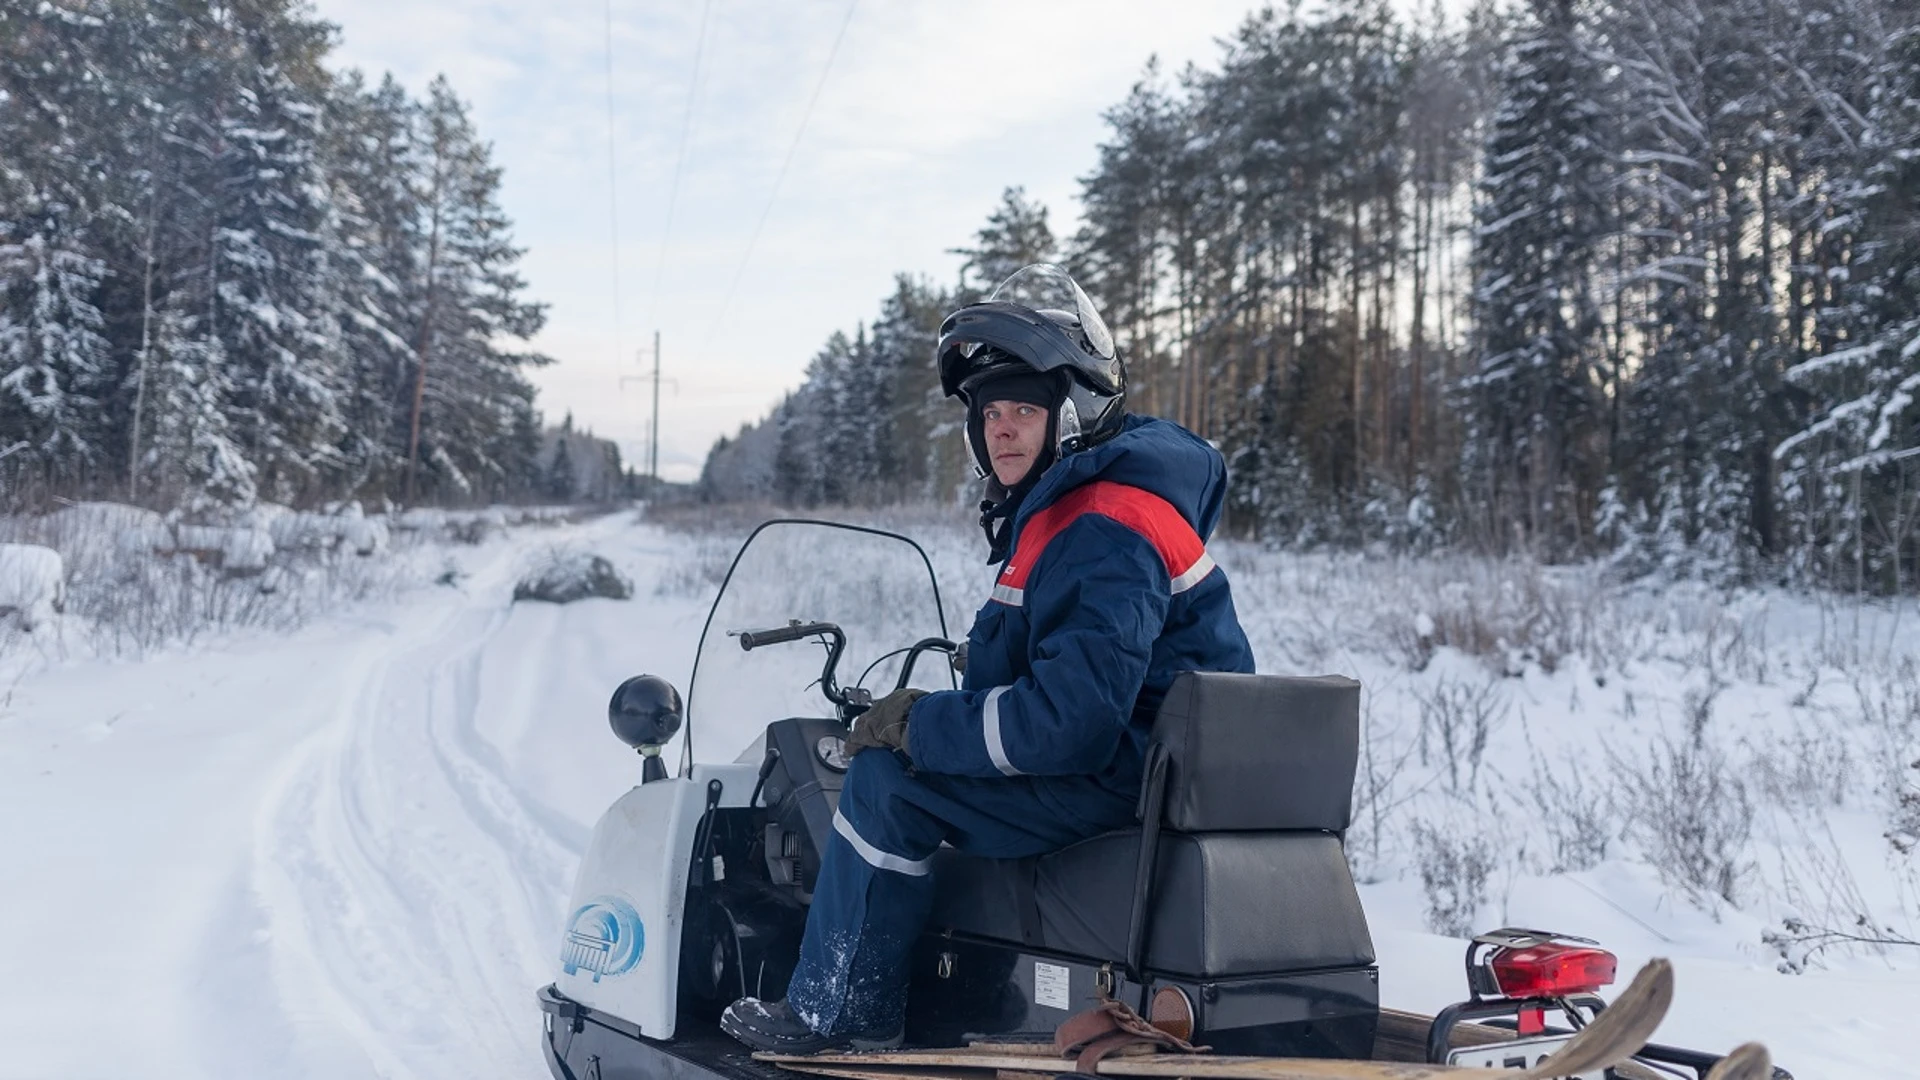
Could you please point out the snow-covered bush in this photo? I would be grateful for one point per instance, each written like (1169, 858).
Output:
(241, 550)
(346, 527)
(566, 576)
(475, 526)
(102, 518)
(421, 519)
(33, 584)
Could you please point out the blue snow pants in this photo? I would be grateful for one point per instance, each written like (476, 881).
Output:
(875, 890)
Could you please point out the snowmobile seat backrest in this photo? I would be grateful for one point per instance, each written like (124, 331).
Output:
(1259, 752)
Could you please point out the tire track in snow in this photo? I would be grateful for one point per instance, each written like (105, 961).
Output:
(409, 887)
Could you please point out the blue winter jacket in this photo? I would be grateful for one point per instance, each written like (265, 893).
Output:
(1109, 594)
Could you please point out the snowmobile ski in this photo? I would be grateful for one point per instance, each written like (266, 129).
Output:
(1748, 1061)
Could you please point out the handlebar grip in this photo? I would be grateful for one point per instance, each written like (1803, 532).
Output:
(753, 639)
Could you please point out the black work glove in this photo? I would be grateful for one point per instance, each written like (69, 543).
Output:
(959, 658)
(884, 725)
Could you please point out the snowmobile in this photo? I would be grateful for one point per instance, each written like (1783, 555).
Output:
(1228, 916)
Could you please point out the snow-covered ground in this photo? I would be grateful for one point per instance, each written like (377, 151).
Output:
(345, 851)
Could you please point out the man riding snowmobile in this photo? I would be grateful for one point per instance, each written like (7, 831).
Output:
(1098, 520)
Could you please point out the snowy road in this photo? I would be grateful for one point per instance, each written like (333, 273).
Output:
(345, 852)
(337, 854)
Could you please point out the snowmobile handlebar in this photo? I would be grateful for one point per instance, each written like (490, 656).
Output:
(850, 702)
(924, 645)
(853, 700)
(793, 631)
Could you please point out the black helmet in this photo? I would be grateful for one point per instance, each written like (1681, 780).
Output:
(1038, 319)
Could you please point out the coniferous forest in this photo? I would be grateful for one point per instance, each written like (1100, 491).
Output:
(1627, 278)
(228, 274)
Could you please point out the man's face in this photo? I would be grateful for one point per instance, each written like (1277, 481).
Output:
(1016, 432)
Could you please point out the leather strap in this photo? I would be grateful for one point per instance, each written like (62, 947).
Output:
(1026, 898)
(1107, 1028)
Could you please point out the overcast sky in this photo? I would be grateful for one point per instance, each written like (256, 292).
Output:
(927, 112)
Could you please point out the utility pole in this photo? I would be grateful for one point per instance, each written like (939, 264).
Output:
(653, 432)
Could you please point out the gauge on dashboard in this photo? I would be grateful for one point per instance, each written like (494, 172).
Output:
(832, 751)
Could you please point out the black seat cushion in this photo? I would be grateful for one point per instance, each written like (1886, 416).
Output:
(1225, 904)
(1259, 752)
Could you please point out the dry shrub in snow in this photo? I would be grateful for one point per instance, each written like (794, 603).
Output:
(1575, 808)
(701, 572)
(1692, 817)
(1455, 867)
(1810, 769)
(1889, 711)
(1457, 719)
(1382, 786)
(1508, 612)
(136, 580)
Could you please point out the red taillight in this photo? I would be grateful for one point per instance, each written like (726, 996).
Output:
(1552, 970)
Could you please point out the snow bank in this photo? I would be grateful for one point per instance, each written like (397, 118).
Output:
(474, 526)
(421, 518)
(347, 528)
(104, 518)
(236, 550)
(33, 583)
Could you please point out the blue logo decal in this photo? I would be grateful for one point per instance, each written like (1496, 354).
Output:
(604, 937)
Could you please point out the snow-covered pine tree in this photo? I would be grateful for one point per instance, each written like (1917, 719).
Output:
(53, 353)
(1016, 234)
(1661, 260)
(189, 455)
(373, 247)
(271, 314)
(835, 428)
(1123, 252)
(1535, 458)
(472, 428)
(560, 481)
(924, 458)
(1859, 454)
(796, 457)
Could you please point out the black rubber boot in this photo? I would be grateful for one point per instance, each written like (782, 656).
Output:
(772, 1025)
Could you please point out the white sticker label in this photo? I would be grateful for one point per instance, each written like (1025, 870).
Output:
(1050, 986)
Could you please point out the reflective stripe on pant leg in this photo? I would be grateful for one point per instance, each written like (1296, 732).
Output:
(876, 858)
(869, 903)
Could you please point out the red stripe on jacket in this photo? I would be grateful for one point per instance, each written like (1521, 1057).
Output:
(1179, 547)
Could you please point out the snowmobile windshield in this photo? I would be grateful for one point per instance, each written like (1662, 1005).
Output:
(877, 587)
(1047, 289)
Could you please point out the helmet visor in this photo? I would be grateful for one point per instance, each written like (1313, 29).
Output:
(1047, 289)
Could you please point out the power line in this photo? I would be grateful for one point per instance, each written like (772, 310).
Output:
(680, 156)
(774, 195)
(613, 192)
